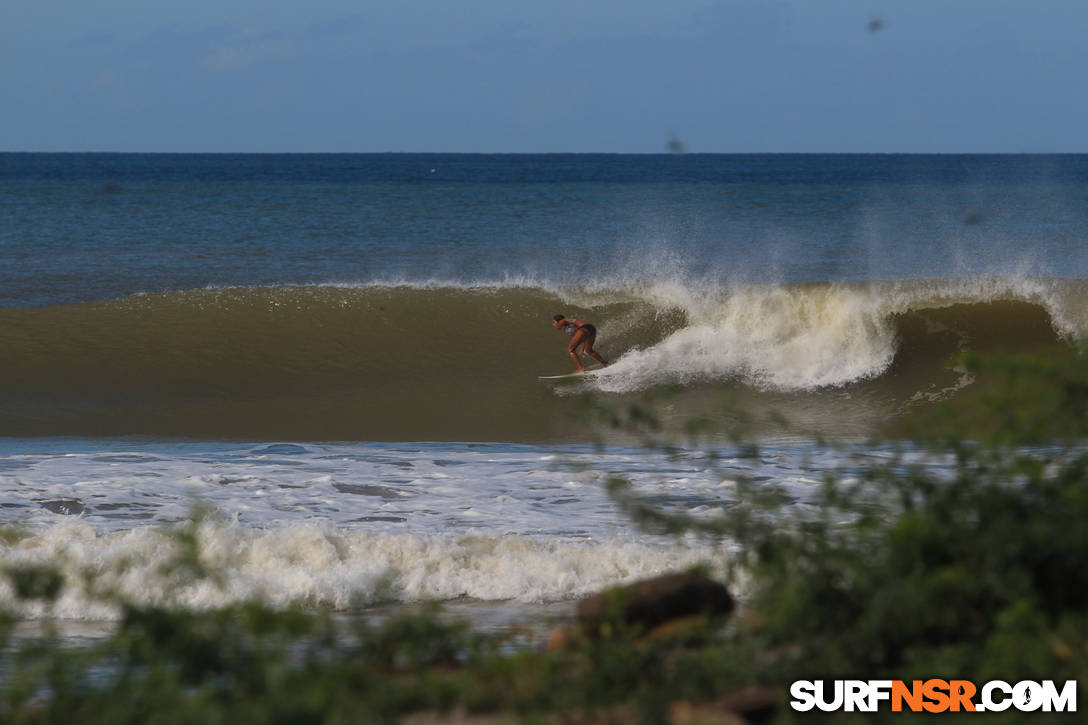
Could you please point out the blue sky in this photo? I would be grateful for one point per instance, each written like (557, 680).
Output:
(504, 76)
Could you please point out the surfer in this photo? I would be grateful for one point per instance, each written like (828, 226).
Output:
(582, 334)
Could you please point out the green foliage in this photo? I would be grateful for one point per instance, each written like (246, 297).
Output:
(1015, 401)
(32, 581)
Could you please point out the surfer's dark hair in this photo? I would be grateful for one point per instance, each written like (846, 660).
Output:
(557, 318)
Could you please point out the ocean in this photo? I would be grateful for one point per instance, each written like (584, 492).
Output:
(337, 357)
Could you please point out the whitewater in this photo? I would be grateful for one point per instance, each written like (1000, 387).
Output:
(346, 525)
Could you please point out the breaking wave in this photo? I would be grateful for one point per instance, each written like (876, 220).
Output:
(457, 362)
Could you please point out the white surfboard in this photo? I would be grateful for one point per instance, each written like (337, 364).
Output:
(570, 376)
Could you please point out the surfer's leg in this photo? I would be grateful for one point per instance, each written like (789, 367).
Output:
(587, 348)
(576, 342)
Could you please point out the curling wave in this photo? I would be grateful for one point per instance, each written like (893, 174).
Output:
(449, 362)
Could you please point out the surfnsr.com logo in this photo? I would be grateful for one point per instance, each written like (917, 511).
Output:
(932, 696)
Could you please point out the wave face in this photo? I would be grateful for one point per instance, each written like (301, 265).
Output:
(446, 362)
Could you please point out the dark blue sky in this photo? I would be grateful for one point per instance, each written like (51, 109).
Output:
(502, 76)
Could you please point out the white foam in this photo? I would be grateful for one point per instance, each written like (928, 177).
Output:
(803, 337)
(335, 524)
(316, 565)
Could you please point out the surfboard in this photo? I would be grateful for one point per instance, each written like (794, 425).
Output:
(570, 376)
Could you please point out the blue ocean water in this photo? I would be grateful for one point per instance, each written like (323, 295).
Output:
(99, 226)
(339, 353)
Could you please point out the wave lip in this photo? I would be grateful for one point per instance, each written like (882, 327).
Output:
(814, 336)
(784, 338)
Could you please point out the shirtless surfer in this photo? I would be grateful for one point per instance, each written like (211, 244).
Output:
(582, 334)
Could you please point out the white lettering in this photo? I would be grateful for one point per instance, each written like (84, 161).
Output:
(803, 695)
(995, 695)
(989, 703)
(855, 696)
(1064, 701)
(879, 690)
(1027, 696)
(834, 704)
